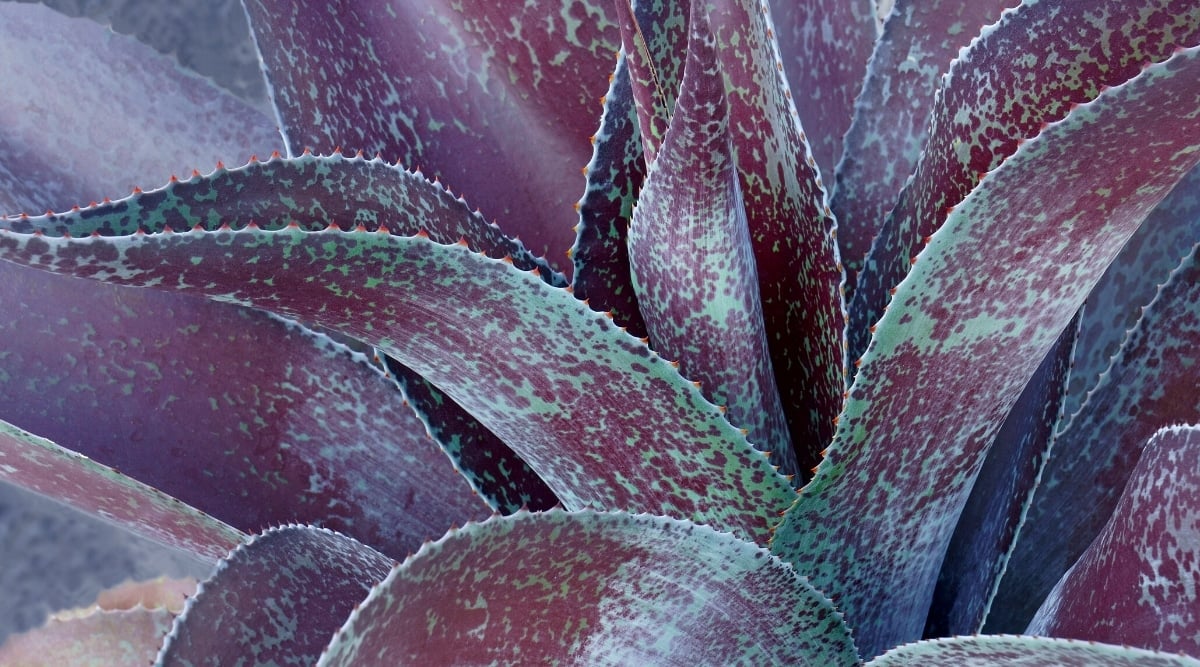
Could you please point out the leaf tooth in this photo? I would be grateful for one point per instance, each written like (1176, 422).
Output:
(360, 227)
(307, 151)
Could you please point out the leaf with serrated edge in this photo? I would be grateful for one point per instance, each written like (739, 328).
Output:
(41, 466)
(1137, 582)
(276, 599)
(1150, 384)
(1015, 651)
(692, 262)
(233, 412)
(604, 421)
(986, 299)
(595, 589)
(464, 90)
(891, 115)
(66, 133)
(1025, 71)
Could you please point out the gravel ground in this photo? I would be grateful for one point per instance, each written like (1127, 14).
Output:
(53, 557)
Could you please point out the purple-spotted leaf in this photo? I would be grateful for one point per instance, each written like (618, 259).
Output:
(1150, 384)
(65, 133)
(39, 465)
(692, 262)
(891, 115)
(276, 599)
(988, 525)
(654, 37)
(614, 177)
(979, 311)
(233, 412)
(1139, 581)
(824, 46)
(595, 589)
(501, 477)
(603, 420)
(466, 91)
(1023, 72)
(1011, 651)
(1130, 283)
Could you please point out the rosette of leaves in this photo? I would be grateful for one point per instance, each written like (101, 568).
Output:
(937, 406)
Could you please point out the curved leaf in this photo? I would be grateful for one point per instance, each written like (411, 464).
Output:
(988, 297)
(1151, 384)
(276, 599)
(604, 421)
(1009, 651)
(692, 263)
(65, 133)
(1027, 70)
(596, 589)
(464, 90)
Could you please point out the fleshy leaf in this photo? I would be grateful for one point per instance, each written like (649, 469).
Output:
(466, 91)
(824, 46)
(1130, 282)
(604, 421)
(1151, 384)
(891, 115)
(1012, 651)
(65, 133)
(39, 465)
(596, 589)
(233, 412)
(987, 527)
(501, 477)
(614, 177)
(1137, 582)
(692, 263)
(986, 299)
(276, 599)
(1025, 71)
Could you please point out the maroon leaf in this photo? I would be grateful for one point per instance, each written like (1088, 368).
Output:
(986, 299)
(1151, 384)
(587, 588)
(1139, 581)
(278, 598)
(1027, 70)
(469, 92)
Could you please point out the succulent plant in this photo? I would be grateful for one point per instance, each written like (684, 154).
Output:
(709, 408)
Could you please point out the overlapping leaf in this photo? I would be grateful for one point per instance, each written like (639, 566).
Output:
(497, 99)
(602, 420)
(1008, 651)
(1151, 384)
(1025, 71)
(980, 309)
(277, 599)
(595, 589)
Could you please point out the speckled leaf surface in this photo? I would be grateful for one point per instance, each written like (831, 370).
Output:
(1131, 282)
(1139, 581)
(127, 638)
(595, 589)
(275, 600)
(233, 412)
(65, 133)
(1012, 651)
(500, 477)
(654, 37)
(1151, 384)
(824, 46)
(604, 421)
(1025, 71)
(891, 115)
(614, 177)
(39, 465)
(987, 527)
(692, 262)
(467, 91)
(986, 299)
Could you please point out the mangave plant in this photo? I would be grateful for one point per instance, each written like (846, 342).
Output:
(711, 332)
